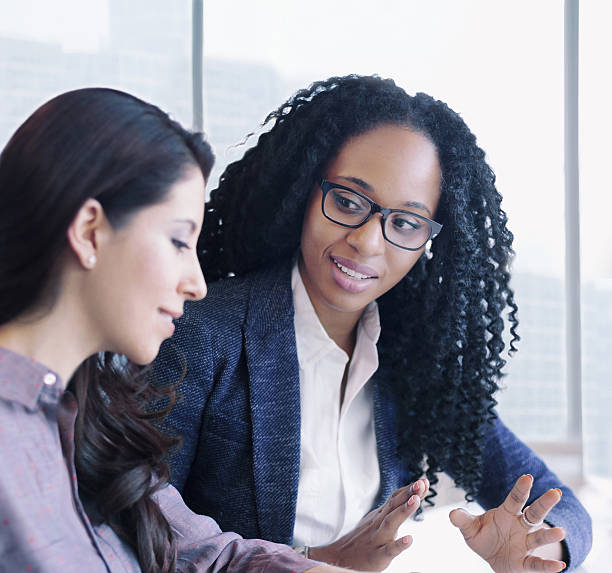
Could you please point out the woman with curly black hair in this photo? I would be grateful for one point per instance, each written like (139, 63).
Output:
(358, 344)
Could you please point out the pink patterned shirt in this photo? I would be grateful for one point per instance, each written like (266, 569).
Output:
(43, 524)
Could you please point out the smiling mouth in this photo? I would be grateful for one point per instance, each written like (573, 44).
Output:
(169, 317)
(350, 272)
(166, 316)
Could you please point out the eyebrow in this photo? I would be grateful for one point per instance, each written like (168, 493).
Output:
(364, 185)
(190, 222)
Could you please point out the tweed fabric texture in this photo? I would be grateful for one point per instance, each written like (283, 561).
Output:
(239, 417)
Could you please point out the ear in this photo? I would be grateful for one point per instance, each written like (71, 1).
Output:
(85, 232)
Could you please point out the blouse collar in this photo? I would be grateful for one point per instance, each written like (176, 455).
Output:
(24, 380)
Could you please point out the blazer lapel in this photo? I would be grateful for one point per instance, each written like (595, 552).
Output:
(386, 440)
(274, 393)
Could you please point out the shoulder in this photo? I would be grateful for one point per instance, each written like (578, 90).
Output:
(236, 300)
(257, 298)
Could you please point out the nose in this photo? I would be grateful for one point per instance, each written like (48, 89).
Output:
(368, 239)
(194, 285)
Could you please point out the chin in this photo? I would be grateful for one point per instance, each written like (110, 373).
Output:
(144, 356)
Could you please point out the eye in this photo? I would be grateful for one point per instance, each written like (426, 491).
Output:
(348, 202)
(405, 224)
(180, 245)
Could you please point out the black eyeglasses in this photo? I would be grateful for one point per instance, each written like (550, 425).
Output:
(349, 208)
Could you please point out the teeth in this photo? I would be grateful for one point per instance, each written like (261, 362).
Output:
(350, 272)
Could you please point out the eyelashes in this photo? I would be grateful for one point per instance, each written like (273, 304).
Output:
(180, 245)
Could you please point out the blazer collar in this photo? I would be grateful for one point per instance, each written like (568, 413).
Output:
(274, 390)
(270, 306)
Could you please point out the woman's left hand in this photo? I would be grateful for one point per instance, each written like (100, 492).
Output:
(371, 545)
(508, 537)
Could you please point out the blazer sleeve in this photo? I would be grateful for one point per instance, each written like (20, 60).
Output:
(505, 459)
(202, 546)
(185, 361)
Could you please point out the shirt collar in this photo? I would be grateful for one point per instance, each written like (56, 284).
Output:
(314, 342)
(24, 380)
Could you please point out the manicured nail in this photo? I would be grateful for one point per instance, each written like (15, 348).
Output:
(560, 492)
(406, 540)
(416, 485)
(564, 565)
(413, 499)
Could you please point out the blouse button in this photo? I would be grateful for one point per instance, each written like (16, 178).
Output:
(49, 379)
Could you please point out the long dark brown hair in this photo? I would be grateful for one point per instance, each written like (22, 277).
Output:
(127, 154)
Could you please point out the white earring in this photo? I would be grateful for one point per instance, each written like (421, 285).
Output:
(92, 260)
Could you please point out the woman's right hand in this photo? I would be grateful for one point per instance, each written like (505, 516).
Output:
(371, 545)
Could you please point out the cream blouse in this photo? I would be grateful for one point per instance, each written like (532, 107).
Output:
(339, 472)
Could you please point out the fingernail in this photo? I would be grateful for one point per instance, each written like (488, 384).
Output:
(406, 540)
(560, 492)
(416, 485)
(413, 499)
(564, 565)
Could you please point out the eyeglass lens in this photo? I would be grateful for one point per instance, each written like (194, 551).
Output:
(348, 208)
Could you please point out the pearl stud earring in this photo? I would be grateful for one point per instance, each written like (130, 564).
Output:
(92, 260)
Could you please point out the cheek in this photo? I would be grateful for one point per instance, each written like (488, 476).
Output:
(318, 233)
(308, 226)
(402, 263)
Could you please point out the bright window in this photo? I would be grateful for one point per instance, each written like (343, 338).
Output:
(140, 46)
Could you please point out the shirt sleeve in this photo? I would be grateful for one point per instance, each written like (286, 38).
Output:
(505, 459)
(202, 546)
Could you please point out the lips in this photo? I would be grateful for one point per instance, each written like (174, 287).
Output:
(168, 317)
(354, 270)
(350, 276)
(169, 314)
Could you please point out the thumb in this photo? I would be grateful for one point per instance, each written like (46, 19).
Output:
(465, 521)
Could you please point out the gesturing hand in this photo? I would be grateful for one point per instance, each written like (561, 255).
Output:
(371, 545)
(507, 537)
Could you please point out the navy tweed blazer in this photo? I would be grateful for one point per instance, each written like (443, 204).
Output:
(238, 414)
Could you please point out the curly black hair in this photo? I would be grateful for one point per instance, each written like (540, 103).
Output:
(442, 325)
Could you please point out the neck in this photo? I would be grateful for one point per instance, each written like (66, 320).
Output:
(59, 340)
(340, 326)
(341, 329)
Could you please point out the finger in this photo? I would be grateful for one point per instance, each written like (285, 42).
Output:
(421, 487)
(393, 520)
(539, 509)
(465, 521)
(532, 563)
(545, 536)
(402, 495)
(394, 548)
(518, 495)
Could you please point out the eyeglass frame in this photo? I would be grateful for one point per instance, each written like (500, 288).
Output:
(327, 186)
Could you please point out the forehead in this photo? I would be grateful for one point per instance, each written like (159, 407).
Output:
(187, 195)
(184, 200)
(390, 158)
(188, 191)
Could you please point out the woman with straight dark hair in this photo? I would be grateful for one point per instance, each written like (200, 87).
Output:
(358, 344)
(101, 203)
